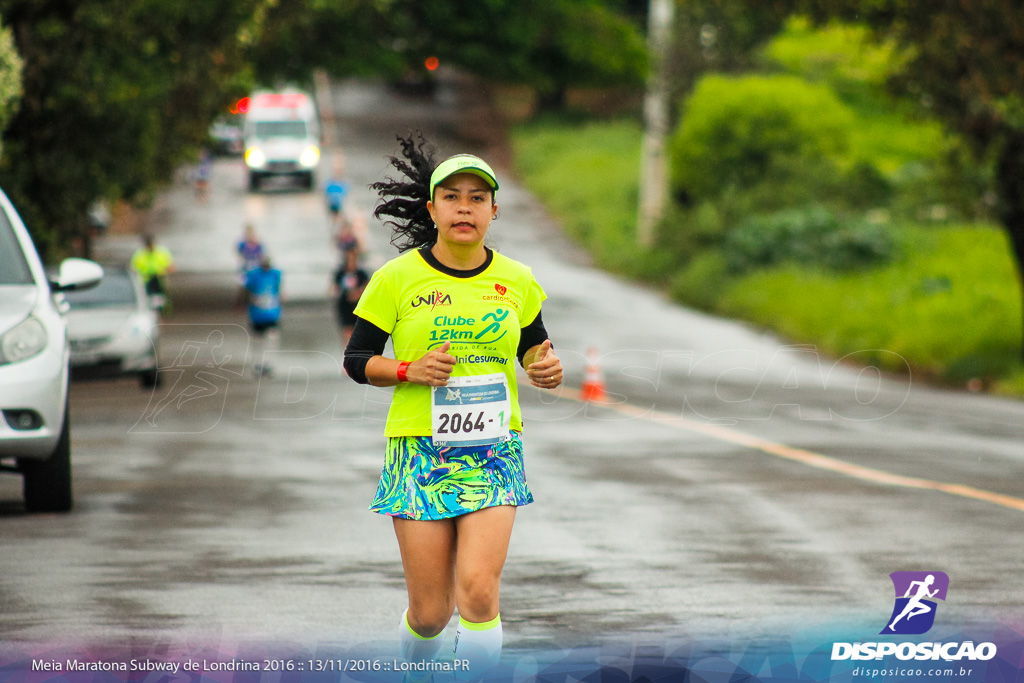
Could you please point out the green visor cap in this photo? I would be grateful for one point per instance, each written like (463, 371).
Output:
(462, 163)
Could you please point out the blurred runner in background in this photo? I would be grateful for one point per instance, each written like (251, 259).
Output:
(250, 255)
(336, 190)
(349, 282)
(204, 169)
(346, 239)
(154, 263)
(263, 287)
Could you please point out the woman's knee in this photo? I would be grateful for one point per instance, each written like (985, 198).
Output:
(430, 618)
(477, 597)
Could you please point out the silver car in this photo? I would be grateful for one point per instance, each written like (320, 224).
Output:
(114, 330)
(35, 432)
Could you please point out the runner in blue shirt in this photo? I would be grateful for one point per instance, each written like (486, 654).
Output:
(335, 192)
(263, 289)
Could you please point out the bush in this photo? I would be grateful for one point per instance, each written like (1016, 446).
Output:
(949, 305)
(10, 76)
(685, 231)
(743, 132)
(701, 282)
(812, 237)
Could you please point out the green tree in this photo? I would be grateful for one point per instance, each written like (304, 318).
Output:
(721, 36)
(547, 44)
(966, 67)
(116, 95)
(344, 37)
(10, 77)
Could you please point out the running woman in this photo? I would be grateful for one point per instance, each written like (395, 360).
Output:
(459, 316)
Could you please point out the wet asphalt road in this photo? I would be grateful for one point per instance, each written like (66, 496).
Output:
(733, 485)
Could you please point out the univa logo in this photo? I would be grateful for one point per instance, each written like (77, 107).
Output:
(916, 593)
(434, 299)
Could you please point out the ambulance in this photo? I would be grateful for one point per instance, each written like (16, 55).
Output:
(282, 137)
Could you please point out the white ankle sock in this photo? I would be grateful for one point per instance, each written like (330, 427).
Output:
(414, 647)
(480, 645)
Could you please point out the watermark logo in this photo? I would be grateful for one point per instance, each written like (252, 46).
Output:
(914, 610)
(913, 614)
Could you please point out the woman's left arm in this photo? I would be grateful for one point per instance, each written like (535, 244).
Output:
(543, 366)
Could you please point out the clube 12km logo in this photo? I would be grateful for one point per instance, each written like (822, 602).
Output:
(914, 613)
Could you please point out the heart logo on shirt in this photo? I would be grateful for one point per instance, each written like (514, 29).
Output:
(501, 289)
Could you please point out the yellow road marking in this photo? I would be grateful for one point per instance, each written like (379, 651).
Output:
(822, 462)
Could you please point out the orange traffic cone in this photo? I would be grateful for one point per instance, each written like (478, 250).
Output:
(592, 388)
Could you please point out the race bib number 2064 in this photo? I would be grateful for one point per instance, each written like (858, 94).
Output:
(471, 411)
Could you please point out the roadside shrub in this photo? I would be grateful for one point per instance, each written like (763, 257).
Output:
(843, 55)
(949, 306)
(702, 281)
(746, 131)
(11, 66)
(685, 231)
(1013, 384)
(813, 237)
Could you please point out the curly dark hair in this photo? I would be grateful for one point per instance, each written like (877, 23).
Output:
(405, 202)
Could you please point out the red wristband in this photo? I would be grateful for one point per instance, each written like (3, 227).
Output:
(402, 367)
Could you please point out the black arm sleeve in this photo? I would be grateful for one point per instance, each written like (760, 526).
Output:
(531, 335)
(367, 341)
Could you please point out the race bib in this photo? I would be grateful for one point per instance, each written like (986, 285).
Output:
(471, 411)
(265, 302)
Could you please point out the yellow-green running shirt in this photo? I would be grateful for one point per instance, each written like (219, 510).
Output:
(482, 316)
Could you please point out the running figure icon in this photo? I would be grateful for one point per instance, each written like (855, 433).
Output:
(915, 606)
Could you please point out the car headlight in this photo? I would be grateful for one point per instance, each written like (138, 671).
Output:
(255, 158)
(136, 328)
(23, 341)
(310, 156)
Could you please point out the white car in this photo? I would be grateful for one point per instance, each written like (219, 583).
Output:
(226, 137)
(114, 329)
(35, 432)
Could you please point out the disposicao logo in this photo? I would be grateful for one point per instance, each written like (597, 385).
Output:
(916, 593)
(913, 614)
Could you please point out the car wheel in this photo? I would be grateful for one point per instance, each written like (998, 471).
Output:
(149, 379)
(47, 483)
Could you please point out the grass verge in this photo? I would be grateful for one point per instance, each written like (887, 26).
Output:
(949, 307)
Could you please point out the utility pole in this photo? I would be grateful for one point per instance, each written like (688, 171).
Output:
(654, 163)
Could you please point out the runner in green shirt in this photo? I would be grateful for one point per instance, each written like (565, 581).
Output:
(154, 263)
(459, 316)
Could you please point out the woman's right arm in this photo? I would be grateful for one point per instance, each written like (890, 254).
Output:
(365, 345)
(365, 363)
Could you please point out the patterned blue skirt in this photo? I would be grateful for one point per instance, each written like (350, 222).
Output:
(421, 481)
